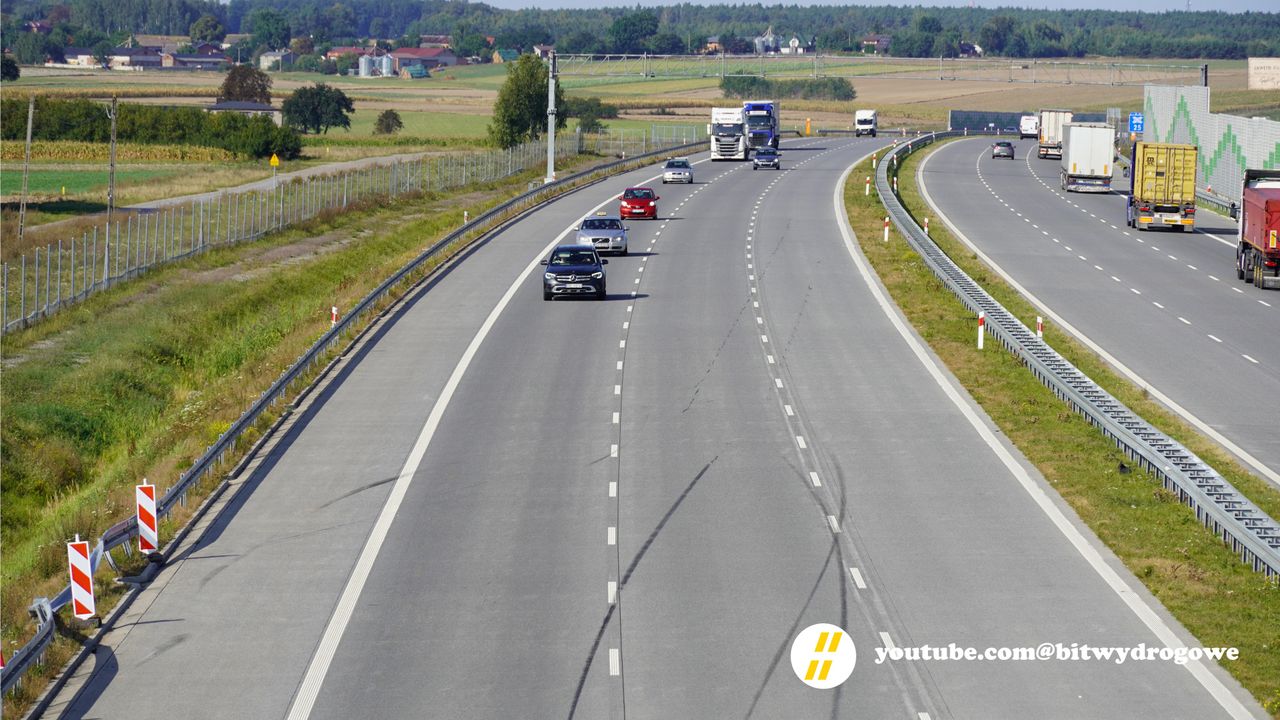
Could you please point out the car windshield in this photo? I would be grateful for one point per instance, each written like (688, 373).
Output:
(680, 164)
(756, 121)
(601, 224)
(766, 151)
(573, 257)
(1004, 144)
(638, 194)
(726, 128)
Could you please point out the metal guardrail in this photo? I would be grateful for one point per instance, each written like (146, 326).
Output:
(44, 609)
(1250, 532)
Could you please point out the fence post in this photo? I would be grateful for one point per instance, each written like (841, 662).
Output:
(59, 273)
(48, 276)
(4, 301)
(22, 302)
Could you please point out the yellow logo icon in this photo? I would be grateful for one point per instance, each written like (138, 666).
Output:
(822, 656)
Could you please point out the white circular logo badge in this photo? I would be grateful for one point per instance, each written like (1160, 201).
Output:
(823, 656)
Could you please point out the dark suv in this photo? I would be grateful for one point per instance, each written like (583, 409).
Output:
(766, 157)
(573, 270)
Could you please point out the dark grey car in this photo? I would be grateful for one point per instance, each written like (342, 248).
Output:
(574, 270)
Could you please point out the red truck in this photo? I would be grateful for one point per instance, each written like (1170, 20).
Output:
(1258, 244)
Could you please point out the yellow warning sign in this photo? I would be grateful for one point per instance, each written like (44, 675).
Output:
(275, 160)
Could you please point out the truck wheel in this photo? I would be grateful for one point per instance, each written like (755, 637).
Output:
(1239, 267)
(1249, 268)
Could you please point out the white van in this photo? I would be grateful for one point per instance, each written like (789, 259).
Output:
(864, 123)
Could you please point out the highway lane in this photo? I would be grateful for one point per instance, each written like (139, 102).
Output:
(534, 570)
(1165, 305)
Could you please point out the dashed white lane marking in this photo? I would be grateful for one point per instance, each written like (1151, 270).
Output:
(1264, 302)
(637, 281)
(800, 442)
(1246, 357)
(858, 582)
(1153, 302)
(769, 358)
(1193, 267)
(613, 488)
(835, 524)
(1238, 290)
(1184, 320)
(611, 591)
(1214, 338)
(787, 409)
(887, 642)
(614, 662)
(629, 307)
(622, 343)
(1135, 291)
(764, 339)
(612, 536)
(759, 320)
(1214, 278)
(613, 450)
(922, 716)
(619, 364)
(626, 325)
(617, 389)
(813, 478)
(777, 382)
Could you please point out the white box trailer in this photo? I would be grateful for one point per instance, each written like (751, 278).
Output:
(1088, 157)
(1051, 122)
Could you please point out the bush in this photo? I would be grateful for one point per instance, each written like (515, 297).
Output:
(86, 121)
(388, 123)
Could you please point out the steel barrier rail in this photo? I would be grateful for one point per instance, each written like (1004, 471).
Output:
(1250, 532)
(119, 534)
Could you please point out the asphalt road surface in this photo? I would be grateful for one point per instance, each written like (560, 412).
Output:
(1165, 305)
(505, 507)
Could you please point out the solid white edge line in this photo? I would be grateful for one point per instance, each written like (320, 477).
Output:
(309, 689)
(1225, 698)
(1123, 369)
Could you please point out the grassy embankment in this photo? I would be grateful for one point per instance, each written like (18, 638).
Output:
(1206, 587)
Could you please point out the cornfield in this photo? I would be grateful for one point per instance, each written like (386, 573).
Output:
(42, 151)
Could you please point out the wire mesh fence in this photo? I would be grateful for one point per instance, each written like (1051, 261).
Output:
(49, 278)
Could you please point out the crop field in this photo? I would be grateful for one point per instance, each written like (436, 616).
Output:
(56, 182)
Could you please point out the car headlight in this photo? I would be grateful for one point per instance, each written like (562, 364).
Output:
(653, 203)
(548, 276)
(597, 275)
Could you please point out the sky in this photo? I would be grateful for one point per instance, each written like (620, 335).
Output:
(1142, 5)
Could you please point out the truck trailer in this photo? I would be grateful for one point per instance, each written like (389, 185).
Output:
(1258, 239)
(1088, 150)
(728, 134)
(1051, 122)
(762, 123)
(1162, 186)
(864, 123)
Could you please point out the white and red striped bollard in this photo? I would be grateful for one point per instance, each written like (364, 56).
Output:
(333, 316)
(982, 326)
(886, 228)
(466, 217)
(873, 160)
(1039, 326)
(148, 534)
(895, 184)
(868, 187)
(82, 605)
(926, 226)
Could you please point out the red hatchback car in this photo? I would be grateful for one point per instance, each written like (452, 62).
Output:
(639, 202)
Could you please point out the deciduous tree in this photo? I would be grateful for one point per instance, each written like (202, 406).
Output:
(318, 108)
(247, 83)
(520, 113)
(207, 29)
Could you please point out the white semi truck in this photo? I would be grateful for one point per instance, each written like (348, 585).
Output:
(864, 123)
(1088, 157)
(1051, 122)
(728, 134)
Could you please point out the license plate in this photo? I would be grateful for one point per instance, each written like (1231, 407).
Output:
(574, 286)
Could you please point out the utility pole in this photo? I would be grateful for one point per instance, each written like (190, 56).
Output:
(551, 121)
(113, 113)
(26, 164)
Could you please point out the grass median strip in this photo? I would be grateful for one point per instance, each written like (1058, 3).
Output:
(1201, 581)
(138, 380)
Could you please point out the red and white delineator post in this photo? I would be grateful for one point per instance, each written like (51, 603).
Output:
(333, 316)
(982, 326)
(867, 191)
(886, 228)
(895, 184)
(82, 605)
(1039, 326)
(148, 534)
(926, 226)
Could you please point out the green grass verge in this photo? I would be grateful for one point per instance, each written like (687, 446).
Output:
(57, 182)
(1202, 583)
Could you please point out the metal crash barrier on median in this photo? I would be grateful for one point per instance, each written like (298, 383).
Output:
(1243, 526)
(44, 609)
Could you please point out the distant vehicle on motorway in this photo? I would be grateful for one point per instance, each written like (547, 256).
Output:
(766, 157)
(574, 270)
(639, 202)
(677, 170)
(1029, 126)
(604, 232)
(1002, 148)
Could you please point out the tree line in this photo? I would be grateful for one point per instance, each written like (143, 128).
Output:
(673, 29)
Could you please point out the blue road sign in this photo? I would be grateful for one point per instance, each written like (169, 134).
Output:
(1136, 122)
